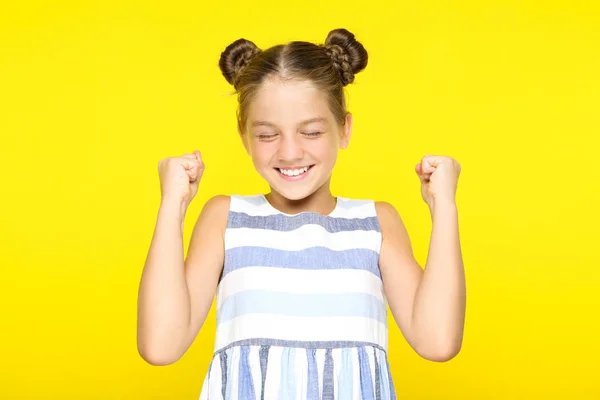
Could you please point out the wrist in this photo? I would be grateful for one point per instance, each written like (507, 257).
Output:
(174, 208)
(442, 205)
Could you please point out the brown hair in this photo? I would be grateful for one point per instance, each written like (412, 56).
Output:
(329, 66)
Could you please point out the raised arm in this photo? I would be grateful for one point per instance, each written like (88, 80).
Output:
(175, 295)
(428, 305)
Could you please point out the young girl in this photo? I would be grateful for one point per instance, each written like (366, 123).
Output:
(302, 278)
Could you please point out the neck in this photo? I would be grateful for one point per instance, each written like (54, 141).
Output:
(321, 201)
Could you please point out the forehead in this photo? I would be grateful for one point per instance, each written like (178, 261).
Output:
(287, 102)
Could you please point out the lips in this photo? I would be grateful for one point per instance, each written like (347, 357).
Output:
(294, 173)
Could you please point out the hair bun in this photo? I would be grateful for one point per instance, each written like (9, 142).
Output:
(348, 55)
(236, 57)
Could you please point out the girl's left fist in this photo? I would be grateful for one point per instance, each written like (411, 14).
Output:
(439, 178)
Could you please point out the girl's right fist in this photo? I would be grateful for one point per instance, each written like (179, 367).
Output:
(180, 176)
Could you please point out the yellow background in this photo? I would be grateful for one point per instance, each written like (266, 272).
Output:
(93, 95)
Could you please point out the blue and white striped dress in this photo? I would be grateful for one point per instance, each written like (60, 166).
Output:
(301, 311)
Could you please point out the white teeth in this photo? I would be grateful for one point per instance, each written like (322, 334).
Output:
(293, 172)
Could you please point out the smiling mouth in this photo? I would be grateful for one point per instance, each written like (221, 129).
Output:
(293, 172)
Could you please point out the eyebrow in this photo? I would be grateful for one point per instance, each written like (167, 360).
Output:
(305, 122)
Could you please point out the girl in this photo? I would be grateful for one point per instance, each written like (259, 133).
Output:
(302, 278)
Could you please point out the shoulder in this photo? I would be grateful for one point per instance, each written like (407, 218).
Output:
(385, 210)
(389, 219)
(218, 204)
(215, 212)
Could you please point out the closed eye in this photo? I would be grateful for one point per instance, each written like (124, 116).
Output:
(265, 136)
(313, 133)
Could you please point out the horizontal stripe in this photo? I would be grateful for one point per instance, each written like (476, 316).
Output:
(300, 344)
(284, 223)
(257, 205)
(314, 258)
(301, 328)
(302, 305)
(299, 281)
(302, 238)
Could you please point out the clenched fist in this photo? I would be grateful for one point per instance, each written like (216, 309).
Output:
(180, 176)
(439, 178)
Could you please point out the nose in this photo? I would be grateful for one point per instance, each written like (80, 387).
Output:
(290, 148)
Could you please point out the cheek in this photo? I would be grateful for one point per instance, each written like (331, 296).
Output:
(262, 153)
(324, 150)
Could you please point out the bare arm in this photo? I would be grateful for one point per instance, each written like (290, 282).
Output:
(428, 305)
(175, 295)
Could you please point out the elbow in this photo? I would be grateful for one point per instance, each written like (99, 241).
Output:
(157, 360)
(440, 351)
(157, 355)
(441, 355)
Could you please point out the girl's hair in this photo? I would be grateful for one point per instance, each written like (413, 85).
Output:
(329, 66)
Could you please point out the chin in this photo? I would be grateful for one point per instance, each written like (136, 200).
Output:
(293, 193)
(296, 194)
(292, 190)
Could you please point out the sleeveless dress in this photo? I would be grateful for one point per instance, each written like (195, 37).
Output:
(301, 312)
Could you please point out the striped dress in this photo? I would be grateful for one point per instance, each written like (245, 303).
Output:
(301, 311)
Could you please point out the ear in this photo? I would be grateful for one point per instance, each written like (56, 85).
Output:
(346, 132)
